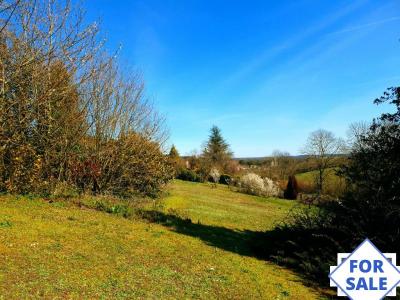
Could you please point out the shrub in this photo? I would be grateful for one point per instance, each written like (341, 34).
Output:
(369, 208)
(139, 166)
(69, 114)
(214, 175)
(231, 167)
(298, 243)
(291, 189)
(123, 210)
(85, 173)
(251, 184)
(271, 189)
(335, 187)
(306, 187)
(64, 190)
(255, 185)
(225, 179)
(189, 175)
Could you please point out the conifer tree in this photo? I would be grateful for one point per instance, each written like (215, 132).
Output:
(291, 188)
(173, 153)
(217, 150)
(175, 161)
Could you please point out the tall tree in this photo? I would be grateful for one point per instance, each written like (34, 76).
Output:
(175, 160)
(374, 169)
(217, 150)
(173, 153)
(291, 188)
(322, 146)
(355, 134)
(282, 165)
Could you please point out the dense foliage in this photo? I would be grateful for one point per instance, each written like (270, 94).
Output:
(225, 179)
(370, 208)
(254, 184)
(291, 190)
(67, 114)
(189, 175)
(216, 159)
(217, 152)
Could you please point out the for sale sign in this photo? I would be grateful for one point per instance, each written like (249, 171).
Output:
(366, 273)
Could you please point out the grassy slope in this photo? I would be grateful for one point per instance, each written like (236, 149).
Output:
(311, 175)
(60, 251)
(222, 207)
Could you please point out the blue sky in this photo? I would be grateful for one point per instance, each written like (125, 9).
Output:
(266, 72)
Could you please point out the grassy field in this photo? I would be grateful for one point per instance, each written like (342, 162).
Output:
(311, 175)
(333, 184)
(58, 250)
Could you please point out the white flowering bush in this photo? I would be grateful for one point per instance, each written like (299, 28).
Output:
(271, 189)
(251, 184)
(214, 174)
(255, 185)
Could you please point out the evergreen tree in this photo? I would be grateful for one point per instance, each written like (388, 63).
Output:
(291, 188)
(173, 153)
(217, 150)
(175, 161)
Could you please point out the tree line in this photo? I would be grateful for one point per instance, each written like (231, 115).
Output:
(322, 153)
(70, 116)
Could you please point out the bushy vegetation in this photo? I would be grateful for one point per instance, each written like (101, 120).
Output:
(334, 184)
(280, 166)
(310, 240)
(189, 175)
(214, 175)
(322, 146)
(216, 159)
(254, 184)
(68, 115)
(291, 190)
(225, 179)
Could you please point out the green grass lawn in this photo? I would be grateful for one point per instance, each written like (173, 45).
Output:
(311, 175)
(222, 207)
(58, 250)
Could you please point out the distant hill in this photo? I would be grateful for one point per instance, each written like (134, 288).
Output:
(265, 157)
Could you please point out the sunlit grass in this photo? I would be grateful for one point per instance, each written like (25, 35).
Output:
(58, 250)
(310, 176)
(223, 207)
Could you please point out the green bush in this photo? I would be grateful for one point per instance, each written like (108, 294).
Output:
(291, 189)
(310, 240)
(64, 190)
(225, 179)
(189, 175)
(117, 209)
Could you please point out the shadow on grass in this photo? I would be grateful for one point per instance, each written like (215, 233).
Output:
(237, 241)
(261, 245)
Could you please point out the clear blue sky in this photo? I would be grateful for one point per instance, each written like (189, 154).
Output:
(266, 72)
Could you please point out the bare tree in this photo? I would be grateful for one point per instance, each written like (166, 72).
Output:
(7, 9)
(65, 104)
(322, 146)
(282, 165)
(355, 133)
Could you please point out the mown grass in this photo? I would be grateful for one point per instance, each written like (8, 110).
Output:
(59, 250)
(223, 207)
